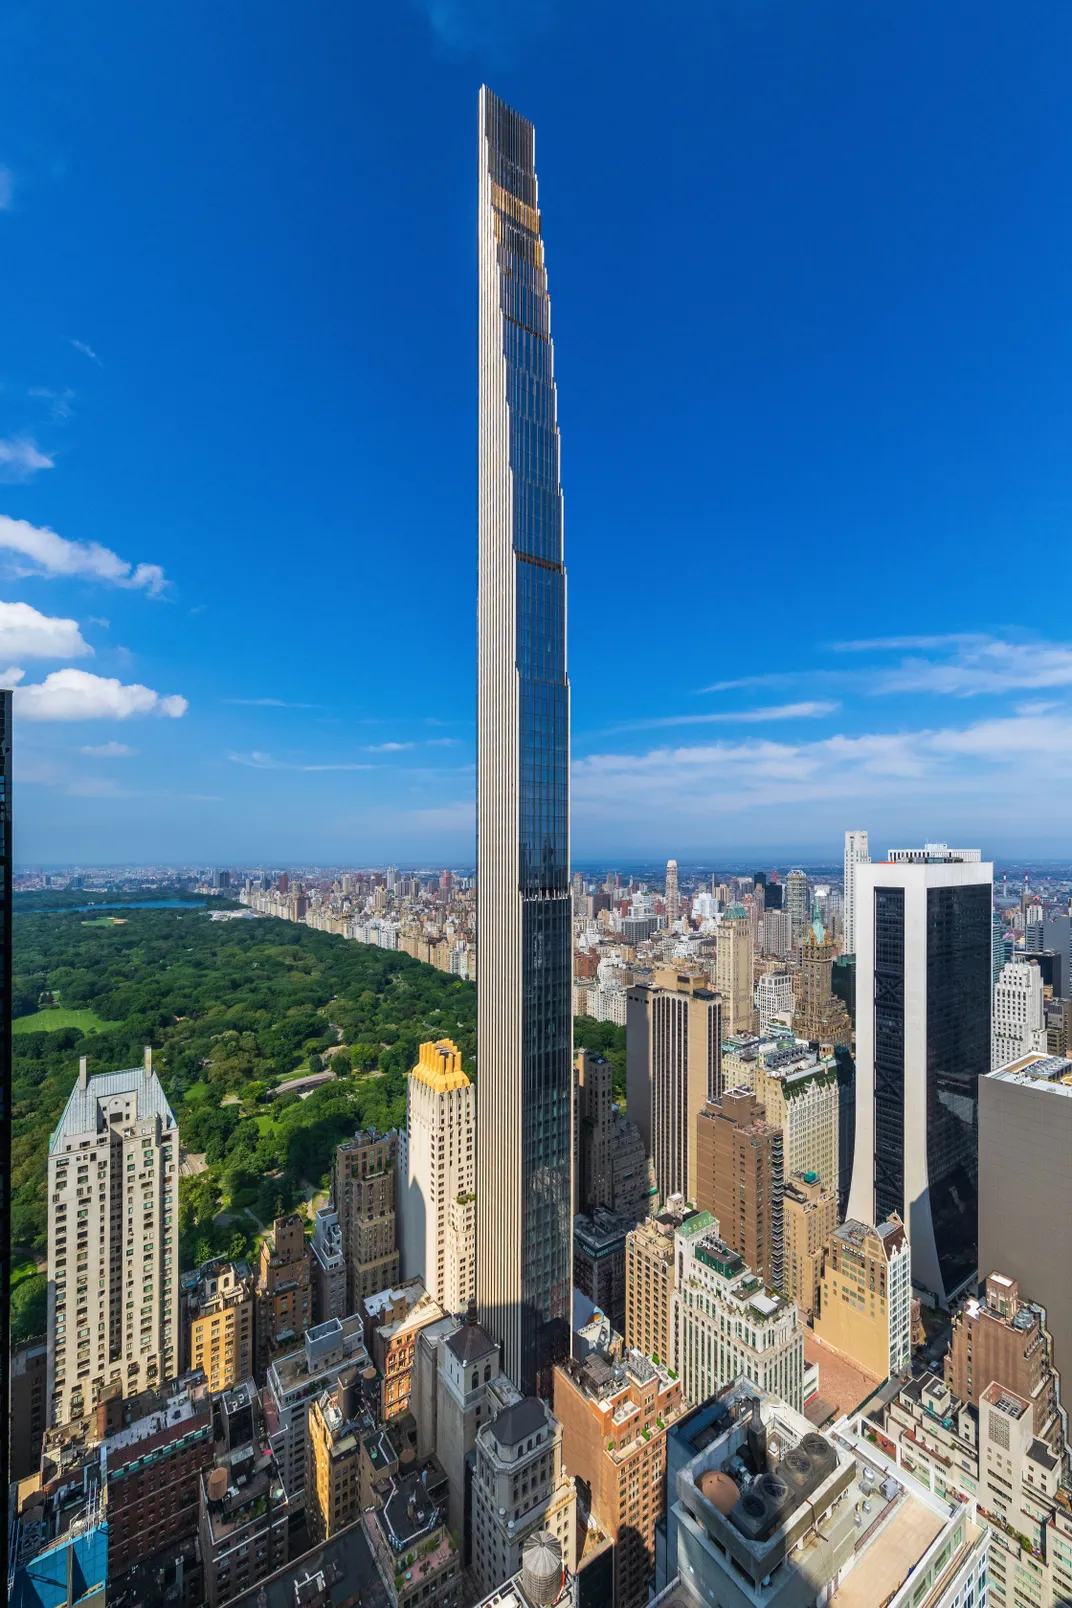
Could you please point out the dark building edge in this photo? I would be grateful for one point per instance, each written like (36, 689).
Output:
(5, 1104)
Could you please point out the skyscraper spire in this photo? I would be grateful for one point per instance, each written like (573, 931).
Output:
(524, 1024)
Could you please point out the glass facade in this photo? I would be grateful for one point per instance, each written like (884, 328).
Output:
(889, 1051)
(524, 1070)
(959, 940)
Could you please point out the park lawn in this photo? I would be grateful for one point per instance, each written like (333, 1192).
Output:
(264, 1122)
(196, 1091)
(22, 1267)
(58, 1016)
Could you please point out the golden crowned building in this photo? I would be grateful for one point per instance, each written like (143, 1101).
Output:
(436, 1161)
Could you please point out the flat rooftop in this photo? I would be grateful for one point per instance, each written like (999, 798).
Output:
(1050, 1072)
(883, 1562)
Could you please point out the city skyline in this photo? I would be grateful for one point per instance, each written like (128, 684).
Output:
(225, 710)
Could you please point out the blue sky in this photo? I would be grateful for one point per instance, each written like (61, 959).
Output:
(809, 274)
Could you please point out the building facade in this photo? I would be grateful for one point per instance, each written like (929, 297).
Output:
(328, 1266)
(733, 970)
(673, 1067)
(599, 1238)
(113, 1241)
(818, 1014)
(524, 1021)
(519, 1485)
(283, 1289)
(1001, 1339)
(810, 1212)
(740, 1180)
(649, 1284)
(923, 973)
(615, 1418)
(437, 1176)
(218, 1313)
(610, 1166)
(726, 1323)
(295, 1379)
(1025, 1140)
(800, 1096)
(865, 1301)
(856, 853)
(364, 1195)
(1019, 1018)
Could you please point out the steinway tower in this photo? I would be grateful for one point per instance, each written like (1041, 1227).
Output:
(524, 1025)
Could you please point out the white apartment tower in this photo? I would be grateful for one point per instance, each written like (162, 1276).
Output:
(436, 1182)
(923, 990)
(856, 853)
(673, 897)
(1019, 1018)
(113, 1241)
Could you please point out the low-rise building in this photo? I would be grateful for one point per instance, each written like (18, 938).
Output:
(989, 1457)
(217, 1310)
(519, 1486)
(402, 1314)
(865, 1304)
(599, 1238)
(727, 1323)
(295, 1378)
(414, 1551)
(614, 1419)
(1005, 1340)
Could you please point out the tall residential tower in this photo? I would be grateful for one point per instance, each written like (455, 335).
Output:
(856, 853)
(524, 1024)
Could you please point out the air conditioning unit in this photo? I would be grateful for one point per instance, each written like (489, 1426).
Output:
(760, 1509)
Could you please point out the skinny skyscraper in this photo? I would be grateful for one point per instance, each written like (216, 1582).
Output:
(524, 1023)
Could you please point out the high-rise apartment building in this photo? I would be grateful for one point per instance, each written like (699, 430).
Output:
(437, 1172)
(798, 905)
(649, 1283)
(1019, 1019)
(726, 1323)
(733, 970)
(740, 1181)
(856, 853)
(615, 1418)
(283, 1289)
(1025, 1186)
(336, 1427)
(217, 1302)
(800, 1096)
(245, 1517)
(363, 1194)
(774, 998)
(673, 1052)
(599, 1238)
(865, 1304)
(113, 1241)
(673, 897)
(810, 1216)
(295, 1379)
(610, 1165)
(776, 934)
(923, 992)
(524, 1020)
(328, 1266)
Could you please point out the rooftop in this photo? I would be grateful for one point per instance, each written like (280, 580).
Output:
(518, 1421)
(82, 1113)
(440, 1067)
(1049, 1072)
(342, 1571)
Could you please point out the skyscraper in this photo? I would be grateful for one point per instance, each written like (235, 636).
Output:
(798, 905)
(435, 1164)
(113, 1244)
(923, 967)
(733, 970)
(673, 897)
(524, 1022)
(856, 853)
(673, 1067)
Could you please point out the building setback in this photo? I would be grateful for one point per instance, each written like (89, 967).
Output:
(524, 1004)
(113, 1242)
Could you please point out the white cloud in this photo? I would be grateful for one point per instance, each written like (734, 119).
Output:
(812, 709)
(444, 742)
(7, 188)
(950, 639)
(988, 665)
(387, 748)
(270, 703)
(78, 695)
(59, 401)
(108, 750)
(685, 788)
(86, 351)
(27, 634)
(259, 760)
(20, 459)
(42, 552)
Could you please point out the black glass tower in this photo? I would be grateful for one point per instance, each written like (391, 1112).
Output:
(524, 1021)
(5, 1098)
